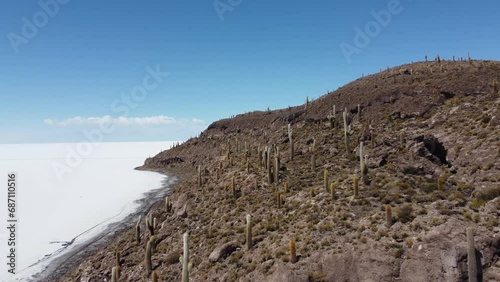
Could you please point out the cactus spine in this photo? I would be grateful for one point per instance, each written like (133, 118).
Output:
(185, 262)
(249, 232)
(148, 258)
(290, 138)
(293, 251)
(471, 256)
(325, 179)
(388, 215)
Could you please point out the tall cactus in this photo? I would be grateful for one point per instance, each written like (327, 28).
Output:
(276, 169)
(313, 155)
(114, 274)
(355, 183)
(471, 255)
(346, 140)
(249, 232)
(198, 178)
(148, 258)
(293, 251)
(185, 262)
(268, 166)
(325, 180)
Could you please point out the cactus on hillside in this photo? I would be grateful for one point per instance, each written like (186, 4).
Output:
(249, 232)
(293, 251)
(185, 260)
(325, 180)
(313, 155)
(286, 187)
(168, 204)
(198, 178)
(332, 191)
(355, 184)
(148, 258)
(154, 276)
(346, 139)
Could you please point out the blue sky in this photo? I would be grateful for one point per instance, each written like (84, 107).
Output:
(223, 57)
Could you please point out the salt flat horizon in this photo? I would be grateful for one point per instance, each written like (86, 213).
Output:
(67, 193)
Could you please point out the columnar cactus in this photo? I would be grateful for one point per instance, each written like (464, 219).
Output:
(249, 232)
(471, 255)
(154, 277)
(494, 84)
(346, 140)
(388, 216)
(402, 137)
(268, 166)
(359, 111)
(118, 257)
(331, 118)
(149, 224)
(259, 155)
(185, 262)
(355, 184)
(293, 251)
(198, 176)
(233, 186)
(313, 155)
(286, 187)
(325, 180)
(148, 258)
(114, 274)
(276, 169)
(361, 159)
(278, 199)
(248, 166)
(168, 204)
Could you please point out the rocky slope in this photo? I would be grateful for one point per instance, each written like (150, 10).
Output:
(431, 135)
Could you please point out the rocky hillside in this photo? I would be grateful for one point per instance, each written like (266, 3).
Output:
(430, 170)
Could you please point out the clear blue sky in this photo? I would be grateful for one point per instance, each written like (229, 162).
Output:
(258, 53)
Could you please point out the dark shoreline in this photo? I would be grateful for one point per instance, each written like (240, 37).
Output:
(67, 262)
